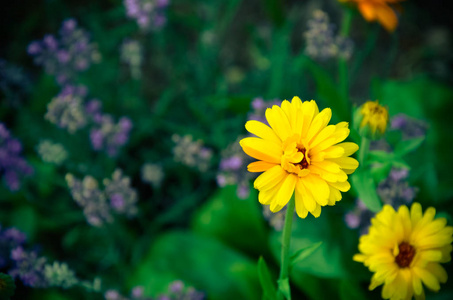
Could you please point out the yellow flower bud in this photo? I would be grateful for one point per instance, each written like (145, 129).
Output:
(373, 119)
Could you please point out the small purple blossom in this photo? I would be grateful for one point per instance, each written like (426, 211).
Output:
(64, 57)
(149, 14)
(191, 153)
(410, 127)
(10, 238)
(12, 166)
(28, 267)
(123, 198)
(178, 290)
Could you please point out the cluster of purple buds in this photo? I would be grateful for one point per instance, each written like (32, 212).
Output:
(10, 238)
(28, 267)
(191, 153)
(149, 14)
(86, 194)
(71, 53)
(321, 42)
(137, 293)
(177, 290)
(122, 197)
(233, 170)
(106, 135)
(12, 166)
(67, 112)
(98, 205)
(410, 127)
(394, 190)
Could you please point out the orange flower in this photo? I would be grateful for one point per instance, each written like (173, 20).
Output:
(378, 10)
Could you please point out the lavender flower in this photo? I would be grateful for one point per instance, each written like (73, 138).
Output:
(152, 174)
(87, 195)
(59, 275)
(10, 238)
(122, 197)
(108, 136)
(52, 152)
(321, 40)
(65, 57)
(191, 153)
(394, 190)
(67, 112)
(232, 169)
(28, 267)
(137, 293)
(149, 14)
(178, 290)
(132, 55)
(410, 127)
(12, 166)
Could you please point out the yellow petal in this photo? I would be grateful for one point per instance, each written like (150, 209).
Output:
(349, 148)
(286, 191)
(318, 188)
(262, 130)
(290, 113)
(317, 212)
(428, 279)
(270, 178)
(319, 123)
(259, 166)
(307, 198)
(301, 211)
(309, 111)
(279, 122)
(342, 186)
(262, 149)
(267, 196)
(438, 271)
(346, 162)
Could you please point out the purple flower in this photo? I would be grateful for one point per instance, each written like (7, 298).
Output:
(106, 135)
(28, 267)
(122, 196)
(149, 14)
(12, 166)
(64, 57)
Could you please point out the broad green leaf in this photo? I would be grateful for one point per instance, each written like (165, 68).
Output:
(380, 171)
(203, 262)
(267, 283)
(214, 219)
(365, 187)
(304, 253)
(283, 287)
(406, 146)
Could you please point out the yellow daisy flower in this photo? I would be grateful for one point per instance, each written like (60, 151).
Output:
(404, 249)
(375, 118)
(300, 153)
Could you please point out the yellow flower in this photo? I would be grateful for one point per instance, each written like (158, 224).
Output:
(300, 153)
(404, 249)
(378, 10)
(374, 117)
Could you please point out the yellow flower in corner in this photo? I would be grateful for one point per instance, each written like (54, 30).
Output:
(300, 153)
(374, 118)
(404, 249)
(378, 10)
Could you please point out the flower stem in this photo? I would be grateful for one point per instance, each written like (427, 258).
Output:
(364, 147)
(343, 74)
(286, 239)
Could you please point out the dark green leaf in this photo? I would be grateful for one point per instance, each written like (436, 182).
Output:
(365, 187)
(267, 283)
(304, 253)
(283, 287)
(406, 146)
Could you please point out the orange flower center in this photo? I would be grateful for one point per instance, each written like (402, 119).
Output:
(405, 256)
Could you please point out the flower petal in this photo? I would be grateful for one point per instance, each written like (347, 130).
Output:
(259, 166)
(262, 130)
(279, 122)
(261, 149)
(270, 178)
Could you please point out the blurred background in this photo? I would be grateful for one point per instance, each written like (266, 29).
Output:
(122, 175)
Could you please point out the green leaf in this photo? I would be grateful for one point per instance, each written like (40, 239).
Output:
(267, 283)
(283, 287)
(304, 253)
(365, 187)
(406, 146)
(380, 171)
(379, 156)
(202, 262)
(214, 219)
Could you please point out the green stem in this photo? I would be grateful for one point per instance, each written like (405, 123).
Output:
(343, 74)
(286, 239)
(363, 151)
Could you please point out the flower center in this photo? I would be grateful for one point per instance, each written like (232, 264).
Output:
(405, 256)
(303, 164)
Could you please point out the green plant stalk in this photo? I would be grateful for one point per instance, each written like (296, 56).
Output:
(363, 151)
(343, 75)
(286, 239)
